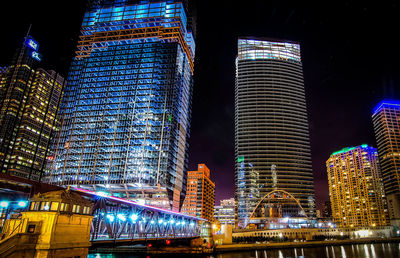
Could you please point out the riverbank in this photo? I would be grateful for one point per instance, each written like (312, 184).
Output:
(265, 246)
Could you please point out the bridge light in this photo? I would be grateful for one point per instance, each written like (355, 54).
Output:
(22, 204)
(165, 223)
(121, 217)
(110, 217)
(178, 223)
(160, 221)
(192, 224)
(134, 217)
(152, 221)
(102, 194)
(4, 204)
(144, 219)
(183, 223)
(171, 221)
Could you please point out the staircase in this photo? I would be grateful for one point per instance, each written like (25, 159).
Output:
(21, 245)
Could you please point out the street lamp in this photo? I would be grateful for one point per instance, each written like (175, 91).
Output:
(22, 204)
(4, 204)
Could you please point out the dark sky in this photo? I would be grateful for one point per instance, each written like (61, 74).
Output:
(349, 53)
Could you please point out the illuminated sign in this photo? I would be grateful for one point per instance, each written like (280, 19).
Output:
(36, 56)
(33, 44)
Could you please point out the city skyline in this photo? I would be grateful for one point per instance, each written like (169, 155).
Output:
(336, 120)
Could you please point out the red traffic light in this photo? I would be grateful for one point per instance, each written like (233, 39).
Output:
(149, 245)
(168, 241)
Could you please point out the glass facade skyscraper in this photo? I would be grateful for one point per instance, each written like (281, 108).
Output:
(386, 121)
(272, 145)
(126, 113)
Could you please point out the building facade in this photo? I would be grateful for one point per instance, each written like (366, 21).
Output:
(355, 188)
(272, 145)
(30, 99)
(327, 209)
(386, 121)
(126, 114)
(225, 212)
(200, 195)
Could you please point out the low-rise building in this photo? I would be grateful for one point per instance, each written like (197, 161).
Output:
(225, 212)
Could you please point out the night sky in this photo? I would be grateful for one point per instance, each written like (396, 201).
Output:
(349, 53)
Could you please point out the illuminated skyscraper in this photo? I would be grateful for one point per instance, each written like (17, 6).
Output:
(272, 145)
(30, 99)
(225, 212)
(200, 195)
(126, 113)
(355, 187)
(386, 120)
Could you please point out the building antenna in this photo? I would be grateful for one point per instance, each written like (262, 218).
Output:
(29, 30)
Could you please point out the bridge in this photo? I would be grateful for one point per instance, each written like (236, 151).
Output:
(116, 219)
(72, 218)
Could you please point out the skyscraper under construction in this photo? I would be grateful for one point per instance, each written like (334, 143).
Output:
(272, 145)
(126, 114)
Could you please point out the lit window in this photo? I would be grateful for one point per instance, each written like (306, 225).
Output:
(54, 206)
(76, 208)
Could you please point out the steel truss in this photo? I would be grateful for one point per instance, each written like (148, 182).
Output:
(121, 221)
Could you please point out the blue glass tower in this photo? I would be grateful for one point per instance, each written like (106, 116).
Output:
(126, 110)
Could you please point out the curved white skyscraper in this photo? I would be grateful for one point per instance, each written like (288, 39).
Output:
(272, 144)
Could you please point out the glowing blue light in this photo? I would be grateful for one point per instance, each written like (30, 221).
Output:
(103, 194)
(110, 217)
(152, 222)
(183, 223)
(32, 44)
(121, 217)
(171, 221)
(134, 217)
(4, 204)
(35, 55)
(178, 223)
(386, 103)
(160, 221)
(192, 224)
(22, 204)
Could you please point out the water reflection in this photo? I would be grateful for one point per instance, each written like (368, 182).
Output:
(346, 251)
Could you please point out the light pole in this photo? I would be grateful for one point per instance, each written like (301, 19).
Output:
(7, 206)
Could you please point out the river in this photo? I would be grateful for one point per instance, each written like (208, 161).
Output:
(386, 250)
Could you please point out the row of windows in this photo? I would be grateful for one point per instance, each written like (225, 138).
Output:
(55, 206)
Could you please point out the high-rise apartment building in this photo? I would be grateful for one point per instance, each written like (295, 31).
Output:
(200, 195)
(272, 145)
(355, 187)
(225, 212)
(386, 120)
(126, 113)
(30, 99)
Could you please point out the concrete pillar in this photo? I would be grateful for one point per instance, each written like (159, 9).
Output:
(227, 233)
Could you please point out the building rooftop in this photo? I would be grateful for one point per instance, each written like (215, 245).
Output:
(387, 103)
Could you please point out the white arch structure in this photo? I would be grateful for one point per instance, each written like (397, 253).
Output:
(267, 196)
